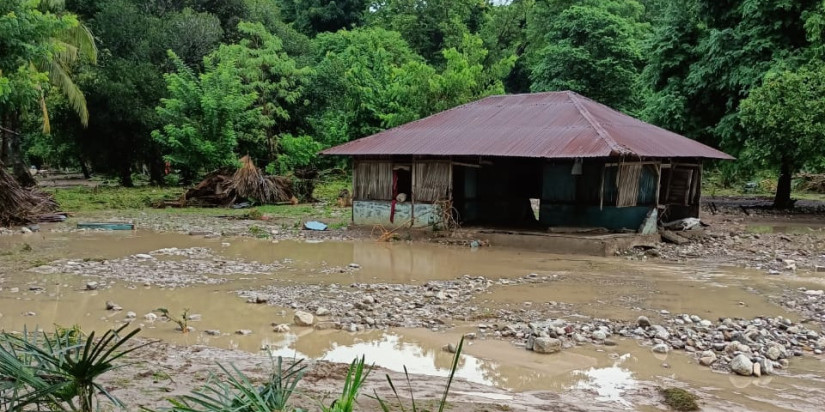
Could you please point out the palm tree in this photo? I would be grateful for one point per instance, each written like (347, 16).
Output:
(70, 46)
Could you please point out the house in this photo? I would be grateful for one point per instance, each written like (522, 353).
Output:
(491, 161)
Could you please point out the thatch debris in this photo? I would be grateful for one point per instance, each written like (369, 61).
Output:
(810, 182)
(21, 205)
(225, 188)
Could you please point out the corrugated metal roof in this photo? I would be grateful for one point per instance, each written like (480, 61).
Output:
(541, 125)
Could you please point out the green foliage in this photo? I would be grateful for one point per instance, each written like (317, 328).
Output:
(312, 17)
(35, 54)
(356, 375)
(182, 321)
(203, 115)
(236, 391)
(369, 80)
(430, 26)
(55, 373)
(706, 56)
(593, 50)
(785, 119)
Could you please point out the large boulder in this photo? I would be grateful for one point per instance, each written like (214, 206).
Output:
(546, 345)
(742, 365)
(303, 318)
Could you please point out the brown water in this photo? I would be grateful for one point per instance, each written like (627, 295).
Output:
(610, 288)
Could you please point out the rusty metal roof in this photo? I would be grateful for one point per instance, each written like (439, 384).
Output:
(539, 125)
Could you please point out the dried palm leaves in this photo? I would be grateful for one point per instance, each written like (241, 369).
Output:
(20, 205)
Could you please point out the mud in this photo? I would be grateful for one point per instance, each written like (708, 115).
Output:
(422, 297)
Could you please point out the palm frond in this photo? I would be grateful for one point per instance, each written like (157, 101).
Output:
(60, 77)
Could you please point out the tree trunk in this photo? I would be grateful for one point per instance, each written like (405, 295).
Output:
(15, 154)
(87, 174)
(126, 176)
(783, 187)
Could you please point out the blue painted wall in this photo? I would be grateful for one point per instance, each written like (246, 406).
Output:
(569, 200)
(377, 212)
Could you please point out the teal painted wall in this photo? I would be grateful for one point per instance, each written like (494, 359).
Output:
(377, 212)
(611, 217)
(569, 200)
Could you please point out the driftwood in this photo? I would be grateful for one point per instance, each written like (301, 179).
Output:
(21, 205)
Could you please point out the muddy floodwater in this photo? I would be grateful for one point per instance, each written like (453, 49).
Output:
(35, 294)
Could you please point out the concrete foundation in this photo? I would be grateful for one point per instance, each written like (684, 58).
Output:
(567, 244)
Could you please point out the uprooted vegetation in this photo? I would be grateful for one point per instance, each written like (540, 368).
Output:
(21, 205)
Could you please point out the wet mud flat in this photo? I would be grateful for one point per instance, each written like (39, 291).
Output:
(402, 303)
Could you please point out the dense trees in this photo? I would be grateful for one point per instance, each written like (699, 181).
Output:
(199, 83)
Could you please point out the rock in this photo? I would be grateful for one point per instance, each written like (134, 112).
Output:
(767, 366)
(143, 256)
(705, 323)
(321, 311)
(92, 285)
(369, 321)
(819, 269)
(354, 266)
(660, 332)
(546, 345)
(742, 365)
(325, 325)
(25, 230)
(213, 332)
(643, 321)
(368, 300)
(281, 328)
(757, 369)
(661, 348)
(450, 348)
(131, 315)
(243, 332)
(112, 306)
(150, 317)
(814, 292)
(195, 317)
(302, 318)
(773, 353)
(599, 335)
(30, 314)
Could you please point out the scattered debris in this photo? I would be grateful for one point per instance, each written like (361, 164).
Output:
(315, 225)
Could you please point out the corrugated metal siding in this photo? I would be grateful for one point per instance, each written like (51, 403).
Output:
(540, 125)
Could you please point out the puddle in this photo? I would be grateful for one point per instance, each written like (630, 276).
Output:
(601, 287)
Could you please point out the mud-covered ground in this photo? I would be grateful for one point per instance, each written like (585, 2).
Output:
(744, 288)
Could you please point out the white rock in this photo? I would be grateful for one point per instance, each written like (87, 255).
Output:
(757, 369)
(131, 315)
(151, 317)
(814, 292)
(302, 318)
(546, 345)
(322, 311)
(243, 332)
(143, 256)
(661, 348)
(92, 285)
(742, 365)
(599, 335)
(213, 332)
(282, 328)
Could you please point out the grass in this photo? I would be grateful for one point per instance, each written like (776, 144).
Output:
(90, 199)
(680, 399)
